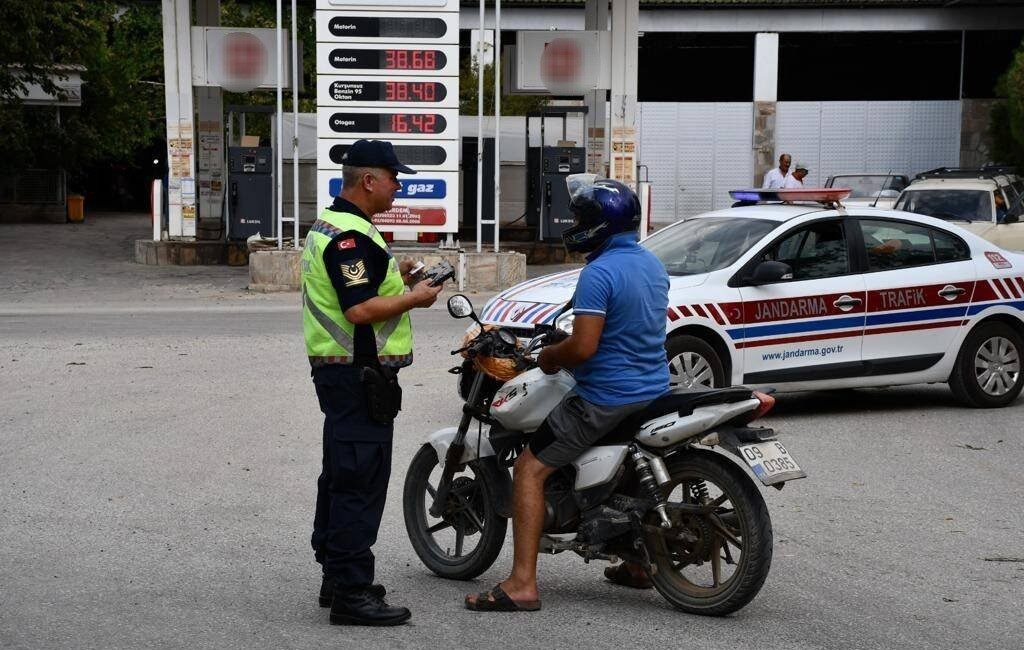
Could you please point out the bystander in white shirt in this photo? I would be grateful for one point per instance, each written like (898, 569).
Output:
(775, 179)
(791, 182)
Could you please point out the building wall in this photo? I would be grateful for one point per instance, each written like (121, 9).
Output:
(851, 137)
(697, 152)
(975, 143)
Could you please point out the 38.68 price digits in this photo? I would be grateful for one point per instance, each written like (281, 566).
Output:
(410, 59)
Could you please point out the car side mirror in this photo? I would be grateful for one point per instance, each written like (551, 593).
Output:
(1011, 218)
(770, 271)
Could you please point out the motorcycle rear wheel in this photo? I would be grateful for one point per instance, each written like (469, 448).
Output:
(689, 569)
(470, 513)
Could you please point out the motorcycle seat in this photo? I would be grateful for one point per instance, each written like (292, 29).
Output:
(677, 400)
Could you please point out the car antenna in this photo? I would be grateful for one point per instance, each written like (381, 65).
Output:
(884, 183)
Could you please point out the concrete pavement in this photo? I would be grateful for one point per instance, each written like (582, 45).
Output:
(159, 444)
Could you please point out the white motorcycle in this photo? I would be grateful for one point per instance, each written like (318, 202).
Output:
(672, 488)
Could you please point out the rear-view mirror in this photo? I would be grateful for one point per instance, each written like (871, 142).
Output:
(459, 306)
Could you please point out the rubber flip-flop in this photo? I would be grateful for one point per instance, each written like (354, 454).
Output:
(496, 600)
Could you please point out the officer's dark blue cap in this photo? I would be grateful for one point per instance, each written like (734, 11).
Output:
(374, 153)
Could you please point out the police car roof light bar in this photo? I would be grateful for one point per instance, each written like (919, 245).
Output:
(824, 195)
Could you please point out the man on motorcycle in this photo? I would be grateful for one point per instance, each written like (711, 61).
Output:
(617, 354)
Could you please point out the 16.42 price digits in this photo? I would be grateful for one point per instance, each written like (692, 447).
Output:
(414, 123)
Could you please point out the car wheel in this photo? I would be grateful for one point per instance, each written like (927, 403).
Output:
(987, 373)
(692, 363)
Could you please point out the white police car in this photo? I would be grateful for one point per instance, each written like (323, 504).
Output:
(805, 296)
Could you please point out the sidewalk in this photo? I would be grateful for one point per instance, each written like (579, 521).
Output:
(88, 266)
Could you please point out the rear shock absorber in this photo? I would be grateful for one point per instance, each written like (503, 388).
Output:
(650, 484)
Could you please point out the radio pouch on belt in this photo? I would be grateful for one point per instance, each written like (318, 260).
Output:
(380, 383)
(383, 394)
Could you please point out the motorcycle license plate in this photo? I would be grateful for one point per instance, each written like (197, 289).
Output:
(771, 462)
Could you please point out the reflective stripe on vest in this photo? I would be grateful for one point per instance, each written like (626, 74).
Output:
(338, 334)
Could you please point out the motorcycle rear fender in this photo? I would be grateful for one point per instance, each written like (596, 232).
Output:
(726, 443)
(486, 463)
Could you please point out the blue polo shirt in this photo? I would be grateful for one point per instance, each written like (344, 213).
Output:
(628, 285)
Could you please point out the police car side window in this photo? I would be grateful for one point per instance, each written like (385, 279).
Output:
(895, 245)
(817, 251)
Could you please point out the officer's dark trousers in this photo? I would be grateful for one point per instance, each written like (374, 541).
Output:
(353, 483)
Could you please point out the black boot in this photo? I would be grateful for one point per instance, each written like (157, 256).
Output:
(327, 591)
(362, 607)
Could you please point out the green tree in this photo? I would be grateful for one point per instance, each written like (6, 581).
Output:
(1006, 123)
(120, 49)
(469, 84)
(35, 37)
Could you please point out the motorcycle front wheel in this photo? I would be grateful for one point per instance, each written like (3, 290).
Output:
(711, 564)
(465, 540)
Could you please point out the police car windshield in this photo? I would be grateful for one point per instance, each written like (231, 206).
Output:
(951, 205)
(704, 245)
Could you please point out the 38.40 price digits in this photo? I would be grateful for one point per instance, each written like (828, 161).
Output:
(405, 91)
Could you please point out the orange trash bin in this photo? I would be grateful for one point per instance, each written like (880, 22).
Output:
(76, 208)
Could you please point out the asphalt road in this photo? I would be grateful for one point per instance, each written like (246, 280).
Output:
(158, 466)
(160, 441)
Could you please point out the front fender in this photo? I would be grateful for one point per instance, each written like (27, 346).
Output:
(486, 465)
(477, 446)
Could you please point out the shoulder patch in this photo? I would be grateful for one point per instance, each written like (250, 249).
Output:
(354, 273)
(345, 244)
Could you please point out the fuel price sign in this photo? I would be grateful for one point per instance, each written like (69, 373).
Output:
(387, 91)
(369, 123)
(389, 70)
(406, 27)
(359, 58)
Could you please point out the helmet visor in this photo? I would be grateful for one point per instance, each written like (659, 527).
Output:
(579, 184)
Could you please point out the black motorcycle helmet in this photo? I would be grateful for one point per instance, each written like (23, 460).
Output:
(601, 207)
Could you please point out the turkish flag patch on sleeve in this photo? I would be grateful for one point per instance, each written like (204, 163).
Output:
(345, 244)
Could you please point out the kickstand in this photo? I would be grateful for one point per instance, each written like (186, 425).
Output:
(640, 545)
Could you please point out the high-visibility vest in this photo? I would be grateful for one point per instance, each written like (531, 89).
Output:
(330, 338)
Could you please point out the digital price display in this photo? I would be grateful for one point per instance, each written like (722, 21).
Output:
(412, 155)
(388, 91)
(389, 59)
(389, 70)
(394, 28)
(425, 123)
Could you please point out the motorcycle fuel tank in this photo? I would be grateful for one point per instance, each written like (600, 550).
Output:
(523, 402)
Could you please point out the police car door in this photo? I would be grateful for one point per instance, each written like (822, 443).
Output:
(810, 327)
(919, 284)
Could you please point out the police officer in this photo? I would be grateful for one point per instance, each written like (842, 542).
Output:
(358, 334)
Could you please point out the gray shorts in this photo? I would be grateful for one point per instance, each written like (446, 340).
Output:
(574, 426)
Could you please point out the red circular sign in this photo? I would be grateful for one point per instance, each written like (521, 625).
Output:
(245, 61)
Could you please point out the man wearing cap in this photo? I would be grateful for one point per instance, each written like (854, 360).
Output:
(775, 178)
(358, 334)
(796, 179)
